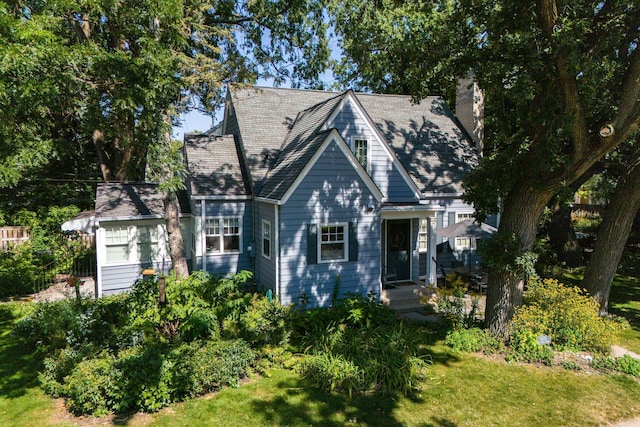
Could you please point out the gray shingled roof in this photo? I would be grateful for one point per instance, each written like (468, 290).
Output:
(132, 200)
(425, 137)
(299, 146)
(214, 166)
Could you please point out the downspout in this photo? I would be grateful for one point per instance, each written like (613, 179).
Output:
(99, 260)
(203, 227)
(277, 248)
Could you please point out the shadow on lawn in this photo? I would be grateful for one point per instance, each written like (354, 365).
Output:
(625, 299)
(18, 364)
(301, 404)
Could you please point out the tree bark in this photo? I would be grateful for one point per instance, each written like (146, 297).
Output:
(522, 210)
(612, 237)
(103, 157)
(176, 243)
(562, 234)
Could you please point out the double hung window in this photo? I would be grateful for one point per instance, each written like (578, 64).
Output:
(333, 242)
(223, 235)
(117, 244)
(266, 239)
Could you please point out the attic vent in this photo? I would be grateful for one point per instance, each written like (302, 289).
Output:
(265, 159)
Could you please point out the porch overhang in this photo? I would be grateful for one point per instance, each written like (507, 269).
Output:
(410, 211)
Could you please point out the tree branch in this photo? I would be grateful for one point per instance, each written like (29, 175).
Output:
(626, 122)
(565, 78)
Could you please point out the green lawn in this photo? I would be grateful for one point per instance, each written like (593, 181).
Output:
(462, 390)
(22, 402)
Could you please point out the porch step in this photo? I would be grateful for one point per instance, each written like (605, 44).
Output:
(406, 298)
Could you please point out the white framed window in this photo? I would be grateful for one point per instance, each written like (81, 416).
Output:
(462, 216)
(266, 239)
(464, 243)
(117, 244)
(361, 151)
(222, 235)
(423, 235)
(147, 242)
(333, 242)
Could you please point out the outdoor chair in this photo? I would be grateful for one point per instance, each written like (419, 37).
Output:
(389, 277)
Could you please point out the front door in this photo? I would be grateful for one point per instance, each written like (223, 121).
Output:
(399, 248)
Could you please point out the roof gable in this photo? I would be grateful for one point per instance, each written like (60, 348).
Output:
(351, 98)
(297, 160)
(425, 138)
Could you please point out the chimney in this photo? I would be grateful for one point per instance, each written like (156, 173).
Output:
(470, 108)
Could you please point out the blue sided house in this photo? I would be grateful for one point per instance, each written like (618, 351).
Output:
(313, 191)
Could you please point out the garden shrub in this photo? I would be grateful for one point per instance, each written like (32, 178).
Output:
(203, 368)
(387, 359)
(88, 387)
(474, 340)
(330, 372)
(566, 314)
(451, 304)
(19, 268)
(265, 322)
(142, 379)
(47, 327)
(59, 366)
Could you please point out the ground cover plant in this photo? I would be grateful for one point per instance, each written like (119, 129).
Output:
(129, 352)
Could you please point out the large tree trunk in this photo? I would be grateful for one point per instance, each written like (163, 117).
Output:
(612, 237)
(176, 243)
(522, 210)
(562, 234)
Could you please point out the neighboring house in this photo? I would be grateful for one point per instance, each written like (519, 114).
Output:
(315, 192)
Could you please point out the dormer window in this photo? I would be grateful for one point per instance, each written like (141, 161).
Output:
(361, 151)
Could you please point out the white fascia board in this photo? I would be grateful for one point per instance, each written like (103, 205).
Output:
(127, 218)
(413, 211)
(334, 135)
(351, 96)
(222, 198)
(432, 195)
(267, 200)
(137, 218)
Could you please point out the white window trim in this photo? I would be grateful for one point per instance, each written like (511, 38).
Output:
(353, 149)
(458, 245)
(268, 224)
(221, 235)
(345, 233)
(463, 246)
(138, 242)
(461, 216)
(130, 231)
(423, 233)
(133, 244)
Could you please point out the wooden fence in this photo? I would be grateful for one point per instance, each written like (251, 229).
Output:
(16, 235)
(12, 236)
